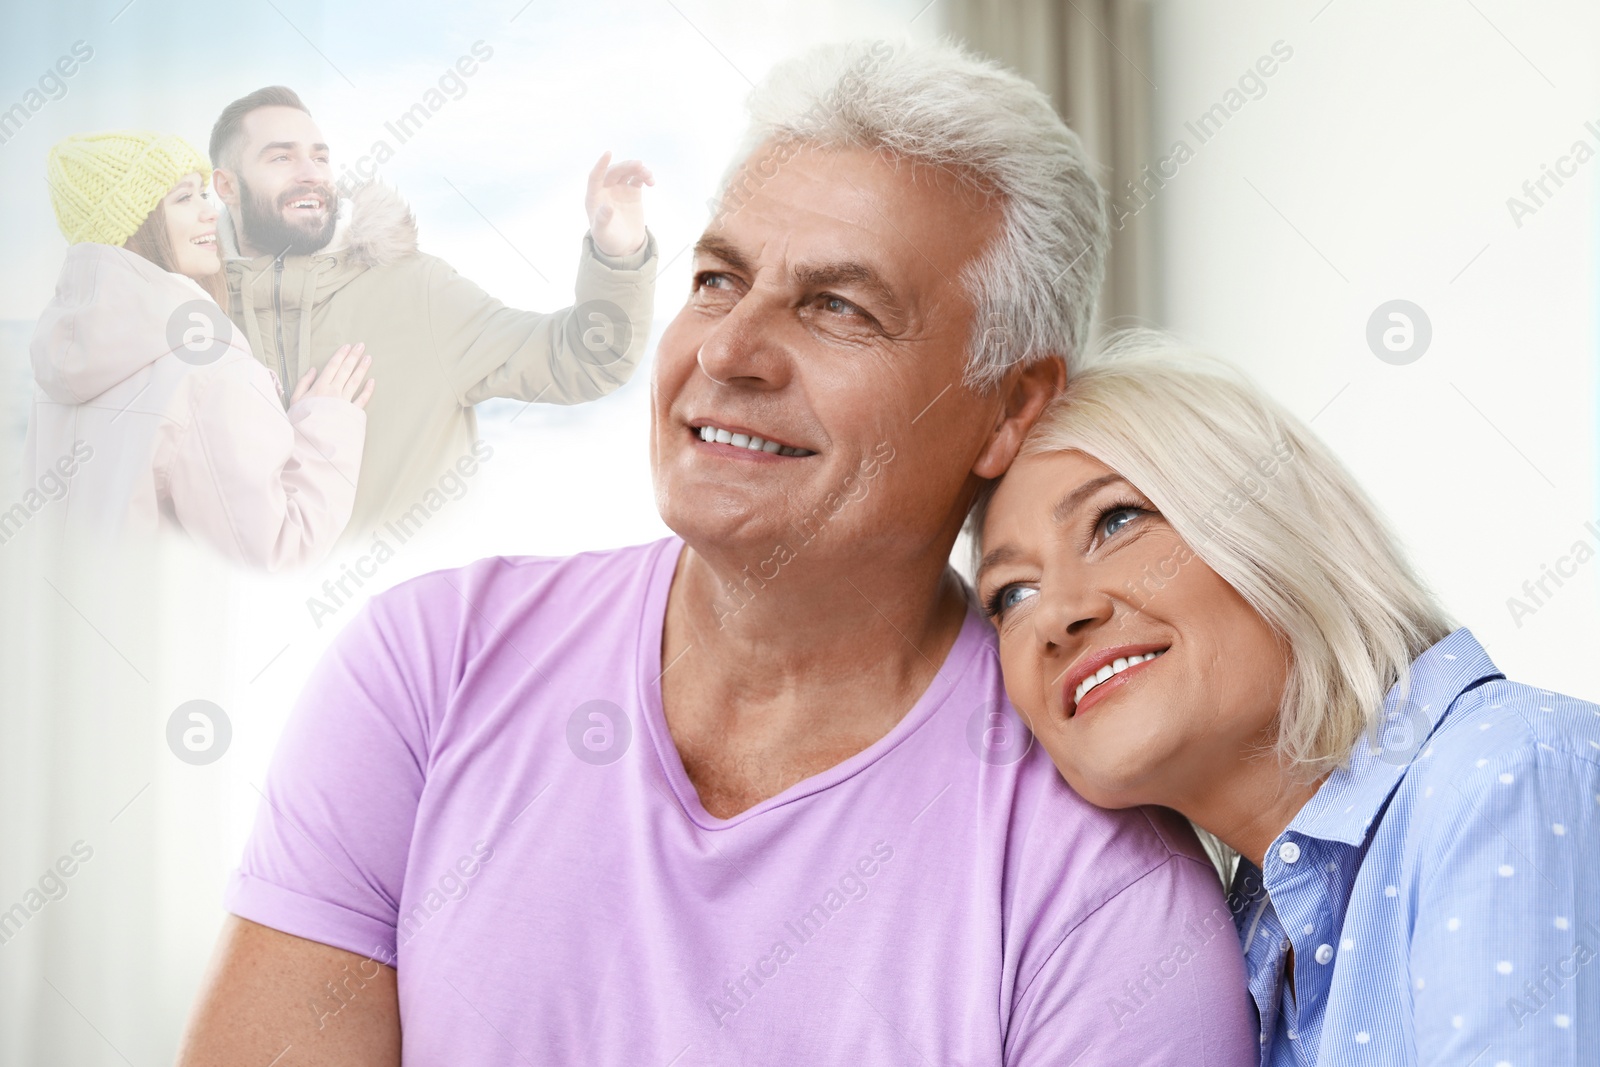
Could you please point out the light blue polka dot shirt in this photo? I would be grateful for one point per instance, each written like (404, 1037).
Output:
(1442, 892)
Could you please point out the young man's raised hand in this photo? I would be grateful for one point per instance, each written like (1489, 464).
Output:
(615, 205)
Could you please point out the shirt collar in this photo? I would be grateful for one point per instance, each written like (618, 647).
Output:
(1347, 804)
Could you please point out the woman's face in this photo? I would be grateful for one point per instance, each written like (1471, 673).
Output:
(1083, 576)
(192, 228)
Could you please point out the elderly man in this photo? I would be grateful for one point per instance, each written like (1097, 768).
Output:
(752, 793)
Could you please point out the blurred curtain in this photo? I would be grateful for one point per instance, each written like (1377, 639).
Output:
(1093, 58)
(97, 968)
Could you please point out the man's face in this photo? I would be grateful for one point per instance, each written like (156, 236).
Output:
(286, 196)
(827, 318)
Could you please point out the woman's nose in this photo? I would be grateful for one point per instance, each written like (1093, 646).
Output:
(1070, 609)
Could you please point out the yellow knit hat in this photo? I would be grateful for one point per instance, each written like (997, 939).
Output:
(105, 185)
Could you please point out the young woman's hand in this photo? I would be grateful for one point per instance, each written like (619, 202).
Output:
(340, 378)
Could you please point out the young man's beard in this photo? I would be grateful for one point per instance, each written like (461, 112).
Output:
(266, 230)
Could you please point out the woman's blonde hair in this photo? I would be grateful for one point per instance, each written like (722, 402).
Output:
(1268, 507)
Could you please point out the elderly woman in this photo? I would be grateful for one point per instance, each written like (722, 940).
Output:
(1198, 608)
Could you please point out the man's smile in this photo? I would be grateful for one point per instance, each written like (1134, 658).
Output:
(748, 440)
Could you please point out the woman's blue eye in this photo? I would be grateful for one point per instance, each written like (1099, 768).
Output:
(1005, 599)
(1012, 595)
(1115, 519)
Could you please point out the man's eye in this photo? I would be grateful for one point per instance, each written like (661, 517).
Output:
(838, 305)
(714, 279)
(713, 289)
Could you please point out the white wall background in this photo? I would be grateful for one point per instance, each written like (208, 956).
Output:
(1377, 166)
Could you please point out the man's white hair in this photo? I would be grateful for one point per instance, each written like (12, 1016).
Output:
(936, 104)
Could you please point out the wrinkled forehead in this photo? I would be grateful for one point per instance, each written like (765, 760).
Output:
(789, 206)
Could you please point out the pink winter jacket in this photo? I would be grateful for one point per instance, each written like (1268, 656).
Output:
(159, 424)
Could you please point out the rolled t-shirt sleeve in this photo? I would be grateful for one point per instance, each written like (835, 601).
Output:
(326, 859)
(1154, 976)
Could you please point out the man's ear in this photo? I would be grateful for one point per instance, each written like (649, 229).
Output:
(226, 184)
(1024, 392)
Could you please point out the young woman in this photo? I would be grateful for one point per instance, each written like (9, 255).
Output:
(151, 410)
(1198, 608)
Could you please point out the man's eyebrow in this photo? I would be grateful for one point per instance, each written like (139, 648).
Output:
(811, 275)
(1073, 500)
(270, 145)
(821, 275)
(719, 248)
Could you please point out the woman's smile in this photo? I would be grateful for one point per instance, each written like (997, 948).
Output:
(1098, 675)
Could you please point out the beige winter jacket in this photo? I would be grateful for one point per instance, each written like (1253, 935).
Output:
(439, 344)
(141, 421)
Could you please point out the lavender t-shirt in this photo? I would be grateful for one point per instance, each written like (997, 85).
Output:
(478, 787)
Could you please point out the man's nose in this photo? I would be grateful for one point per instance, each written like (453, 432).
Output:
(743, 348)
(308, 172)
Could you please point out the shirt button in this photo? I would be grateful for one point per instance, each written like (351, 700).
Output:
(1289, 852)
(1324, 953)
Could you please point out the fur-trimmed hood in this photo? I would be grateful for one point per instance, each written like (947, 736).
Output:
(375, 228)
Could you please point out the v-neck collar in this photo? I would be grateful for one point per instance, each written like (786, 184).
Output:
(967, 646)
